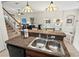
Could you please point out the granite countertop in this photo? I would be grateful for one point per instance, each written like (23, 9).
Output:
(20, 42)
(23, 43)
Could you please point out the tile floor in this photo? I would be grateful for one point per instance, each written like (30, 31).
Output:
(73, 52)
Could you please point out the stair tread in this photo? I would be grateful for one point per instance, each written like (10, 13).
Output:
(11, 32)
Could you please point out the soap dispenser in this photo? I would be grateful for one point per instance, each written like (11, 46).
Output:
(25, 31)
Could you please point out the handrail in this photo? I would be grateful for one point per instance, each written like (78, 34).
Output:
(11, 15)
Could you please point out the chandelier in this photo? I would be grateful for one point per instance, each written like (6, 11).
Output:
(51, 7)
(27, 8)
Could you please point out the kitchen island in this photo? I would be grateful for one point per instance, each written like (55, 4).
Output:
(18, 47)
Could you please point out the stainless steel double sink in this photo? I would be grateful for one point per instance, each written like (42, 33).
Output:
(47, 45)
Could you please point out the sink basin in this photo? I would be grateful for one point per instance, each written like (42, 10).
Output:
(39, 43)
(51, 46)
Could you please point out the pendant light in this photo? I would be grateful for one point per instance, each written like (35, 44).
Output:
(51, 7)
(27, 8)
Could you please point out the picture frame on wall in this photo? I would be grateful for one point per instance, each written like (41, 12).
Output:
(70, 19)
(47, 21)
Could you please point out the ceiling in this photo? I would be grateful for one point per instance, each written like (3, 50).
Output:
(13, 6)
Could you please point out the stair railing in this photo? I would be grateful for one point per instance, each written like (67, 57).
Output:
(12, 21)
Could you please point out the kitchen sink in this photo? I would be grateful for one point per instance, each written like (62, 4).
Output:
(53, 45)
(39, 43)
(47, 45)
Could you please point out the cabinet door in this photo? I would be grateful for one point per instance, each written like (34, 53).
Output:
(15, 51)
(2, 43)
(30, 53)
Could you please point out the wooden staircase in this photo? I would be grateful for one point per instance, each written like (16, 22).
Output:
(11, 32)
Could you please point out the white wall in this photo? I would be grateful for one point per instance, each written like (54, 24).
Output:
(41, 16)
(3, 31)
(76, 38)
(26, 15)
(2, 23)
(69, 27)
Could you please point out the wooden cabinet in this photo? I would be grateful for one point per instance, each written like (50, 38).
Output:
(32, 53)
(15, 51)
